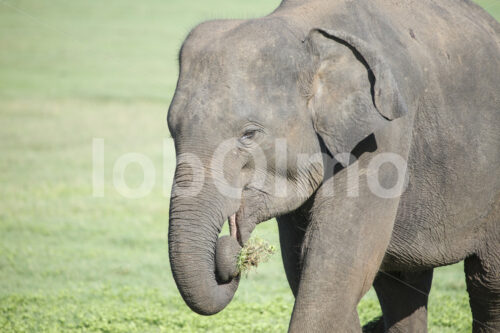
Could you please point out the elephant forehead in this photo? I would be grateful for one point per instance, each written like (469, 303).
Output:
(249, 70)
(234, 100)
(230, 107)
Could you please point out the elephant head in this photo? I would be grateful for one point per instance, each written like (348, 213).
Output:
(254, 102)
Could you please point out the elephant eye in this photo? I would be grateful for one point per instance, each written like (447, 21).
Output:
(248, 135)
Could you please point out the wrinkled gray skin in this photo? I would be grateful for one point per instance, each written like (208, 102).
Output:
(417, 78)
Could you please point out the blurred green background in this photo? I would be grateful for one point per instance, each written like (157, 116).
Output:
(71, 71)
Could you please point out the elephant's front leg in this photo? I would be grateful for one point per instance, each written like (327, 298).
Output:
(292, 228)
(343, 247)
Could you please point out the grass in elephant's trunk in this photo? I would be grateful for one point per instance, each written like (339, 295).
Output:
(232, 260)
(255, 251)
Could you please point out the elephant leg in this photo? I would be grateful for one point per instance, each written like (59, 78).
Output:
(292, 228)
(483, 284)
(342, 251)
(403, 297)
(375, 326)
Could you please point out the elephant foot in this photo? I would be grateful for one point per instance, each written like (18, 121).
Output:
(375, 326)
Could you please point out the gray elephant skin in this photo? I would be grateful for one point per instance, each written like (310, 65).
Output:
(349, 81)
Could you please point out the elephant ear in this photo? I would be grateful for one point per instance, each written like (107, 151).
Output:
(352, 91)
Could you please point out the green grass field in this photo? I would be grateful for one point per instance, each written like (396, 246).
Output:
(71, 71)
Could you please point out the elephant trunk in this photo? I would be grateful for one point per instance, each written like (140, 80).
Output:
(194, 225)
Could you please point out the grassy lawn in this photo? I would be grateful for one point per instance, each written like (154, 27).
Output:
(71, 71)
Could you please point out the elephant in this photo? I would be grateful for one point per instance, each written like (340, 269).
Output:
(369, 129)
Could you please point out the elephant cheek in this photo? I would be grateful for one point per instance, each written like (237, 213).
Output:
(226, 258)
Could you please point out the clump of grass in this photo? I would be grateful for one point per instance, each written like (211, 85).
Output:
(255, 251)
